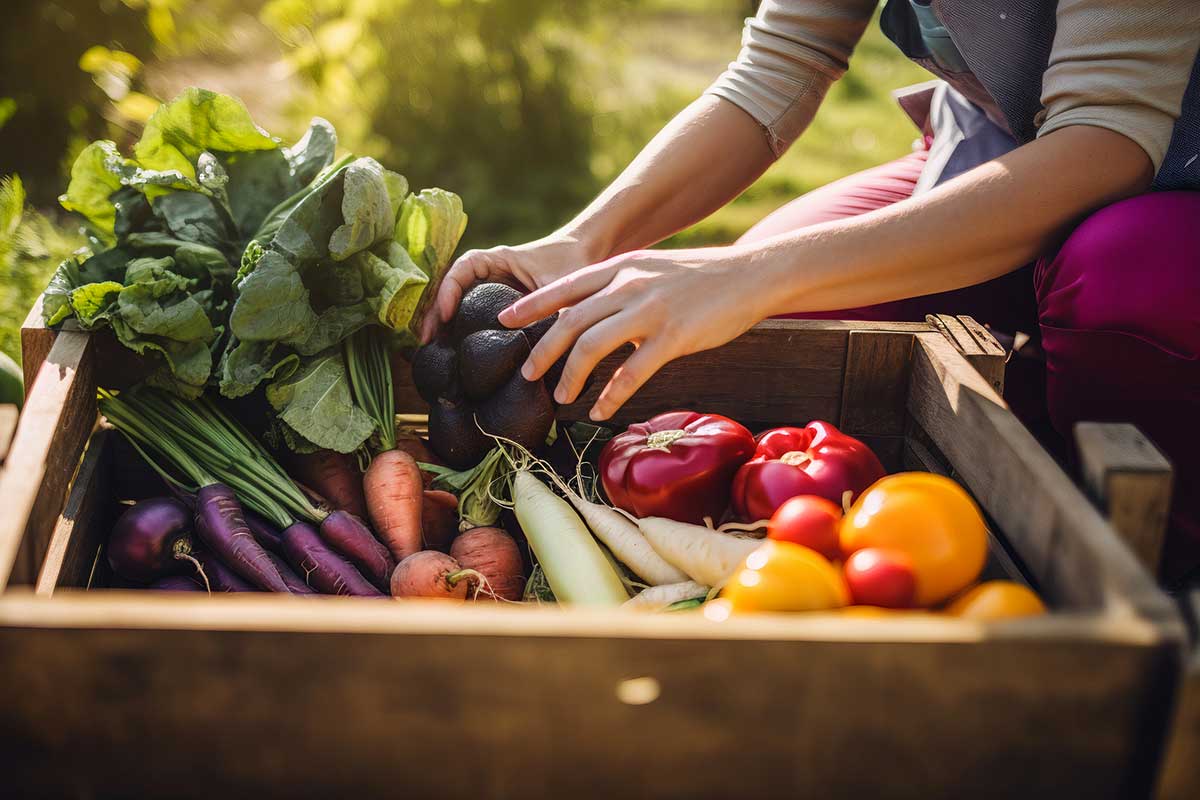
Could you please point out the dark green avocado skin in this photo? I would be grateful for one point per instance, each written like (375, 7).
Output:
(489, 358)
(480, 307)
(435, 371)
(521, 410)
(454, 436)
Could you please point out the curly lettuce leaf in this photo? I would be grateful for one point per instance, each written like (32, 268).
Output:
(429, 228)
(316, 402)
(196, 121)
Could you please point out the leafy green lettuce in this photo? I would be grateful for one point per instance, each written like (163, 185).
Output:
(171, 224)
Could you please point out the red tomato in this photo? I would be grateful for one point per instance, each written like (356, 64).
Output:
(811, 521)
(880, 577)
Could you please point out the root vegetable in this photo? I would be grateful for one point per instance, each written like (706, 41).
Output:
(439, 519)
(493, 554)
(220, 577)
(320, 567)
(393, 487)
(178, 583)
(709, 557)
(431, 574)
(657, 598)
(626, 542)
(349, 536)
(222, 527)
(151, 540)
(334, 476)
(295, 583)
(576, 568)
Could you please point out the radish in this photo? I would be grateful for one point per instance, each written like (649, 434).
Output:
(151, 540)
(577, 569)
(626, 541)
(709, 557)
(495, 555)
(434, 575)
(657, 598)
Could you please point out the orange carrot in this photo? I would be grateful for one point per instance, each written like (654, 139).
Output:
(417, 448)
(333, 476)
(393, 488)
(439, 519)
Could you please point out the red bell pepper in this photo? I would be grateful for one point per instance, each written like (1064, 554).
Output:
(677, 465)
(817, 459)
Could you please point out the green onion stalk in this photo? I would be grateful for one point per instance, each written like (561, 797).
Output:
(205, 446)
(370, 371)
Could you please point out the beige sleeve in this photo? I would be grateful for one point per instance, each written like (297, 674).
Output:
(791, 53)
(1121, 65)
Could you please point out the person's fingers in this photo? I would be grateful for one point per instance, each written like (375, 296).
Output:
(569, 290)
(472, 266)
(590, 349)
(629, 377)
(572, 322)
(429, 325)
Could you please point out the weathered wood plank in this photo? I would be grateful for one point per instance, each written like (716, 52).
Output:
(978, 347)
(780, 371)
(875, 382)
(1181, 764)
(36, 341)
(84, 523)
(1072, 553)
(59, 414)
(1131, 482)
(404, 687)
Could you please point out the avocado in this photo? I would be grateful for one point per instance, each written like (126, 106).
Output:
(435, 371)
(521, 410)
(454, 436)
(480, 306)
(539, 329)
(486, 359)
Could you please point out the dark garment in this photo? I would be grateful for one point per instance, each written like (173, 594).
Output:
(1007, 49)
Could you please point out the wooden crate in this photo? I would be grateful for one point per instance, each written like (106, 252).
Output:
(117, 694)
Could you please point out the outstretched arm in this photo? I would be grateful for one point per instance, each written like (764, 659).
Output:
(978, 226)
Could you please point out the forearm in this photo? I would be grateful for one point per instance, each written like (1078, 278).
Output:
(707, 155)
(976, 227)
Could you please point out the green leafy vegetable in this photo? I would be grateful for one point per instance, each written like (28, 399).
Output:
(316, 402)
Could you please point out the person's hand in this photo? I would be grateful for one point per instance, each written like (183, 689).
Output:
(668, 303)
(531, 265)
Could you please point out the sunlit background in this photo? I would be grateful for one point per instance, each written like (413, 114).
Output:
(523, 107)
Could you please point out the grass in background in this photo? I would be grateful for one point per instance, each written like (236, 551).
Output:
(675, 48)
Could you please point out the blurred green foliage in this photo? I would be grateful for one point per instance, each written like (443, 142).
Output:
(524, 107)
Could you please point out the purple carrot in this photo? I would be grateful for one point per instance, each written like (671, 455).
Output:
(350, 536)
(321, 567)
(220, 577)
(177, 583)
(264, 532)
(294, 582)
(221, 525)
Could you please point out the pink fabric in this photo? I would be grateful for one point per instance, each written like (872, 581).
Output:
(1118, 312)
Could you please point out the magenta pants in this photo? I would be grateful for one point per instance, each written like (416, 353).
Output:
(1117, 308)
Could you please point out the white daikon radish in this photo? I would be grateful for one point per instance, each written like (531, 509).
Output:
(656, 598)
(626, 541)
(708, 557)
